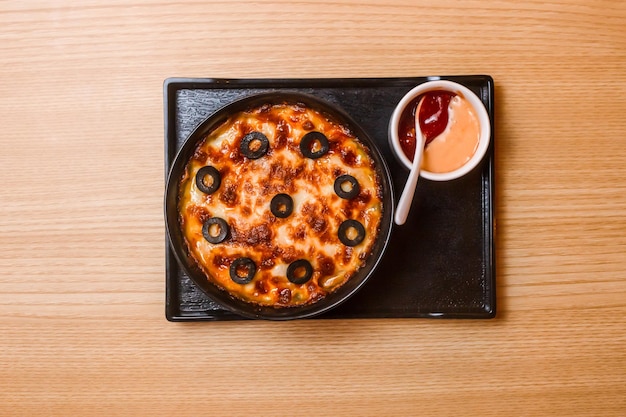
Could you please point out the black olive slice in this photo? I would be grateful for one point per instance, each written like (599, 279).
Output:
(299, 271)
(210, 226)
(351, 232)
(314, 145)
(242, 270)
(281, 205)
(346, 186)
(254, 145)
(214, 179)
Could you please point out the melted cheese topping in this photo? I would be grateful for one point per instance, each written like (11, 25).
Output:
(247, 186)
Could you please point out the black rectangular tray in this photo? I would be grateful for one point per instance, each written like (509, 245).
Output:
(440, 263)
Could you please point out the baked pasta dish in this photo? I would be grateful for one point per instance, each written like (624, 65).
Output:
(280, 205)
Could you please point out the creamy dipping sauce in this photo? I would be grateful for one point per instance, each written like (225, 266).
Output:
(453, 145)
(457, 143)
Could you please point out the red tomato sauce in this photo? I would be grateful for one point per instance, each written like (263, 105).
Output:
(433, 119)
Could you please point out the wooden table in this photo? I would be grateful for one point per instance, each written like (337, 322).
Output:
(82, 326)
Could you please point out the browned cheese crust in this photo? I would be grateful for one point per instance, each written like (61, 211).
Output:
(243, 200)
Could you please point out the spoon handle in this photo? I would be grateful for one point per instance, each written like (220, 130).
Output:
(404, 205)
(406, 199)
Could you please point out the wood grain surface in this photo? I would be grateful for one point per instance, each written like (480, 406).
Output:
(82, 326)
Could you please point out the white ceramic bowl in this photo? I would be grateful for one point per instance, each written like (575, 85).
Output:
(483, 121)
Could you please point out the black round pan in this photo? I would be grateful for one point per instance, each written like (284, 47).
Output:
(222, 297)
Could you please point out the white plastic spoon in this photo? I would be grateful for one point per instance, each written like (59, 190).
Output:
(406, 199)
